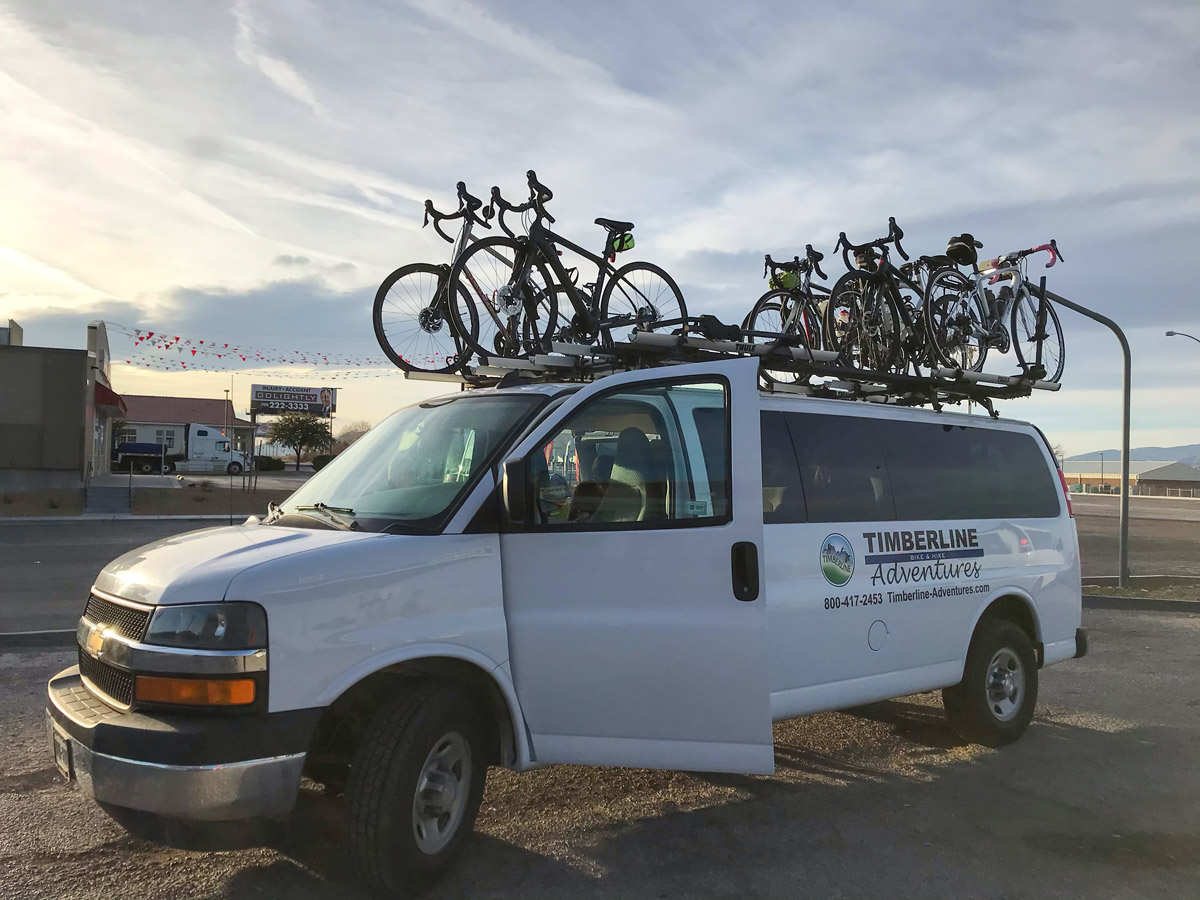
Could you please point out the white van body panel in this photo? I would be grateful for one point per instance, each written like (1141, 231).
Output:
(620, 655)
(351, 608)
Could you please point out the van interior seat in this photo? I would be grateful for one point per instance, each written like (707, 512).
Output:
(633, 468)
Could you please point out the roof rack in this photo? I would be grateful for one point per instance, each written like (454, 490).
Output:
(819, 373)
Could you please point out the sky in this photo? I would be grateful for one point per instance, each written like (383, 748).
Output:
(250, 171)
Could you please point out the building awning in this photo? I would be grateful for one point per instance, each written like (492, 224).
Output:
(109, 401)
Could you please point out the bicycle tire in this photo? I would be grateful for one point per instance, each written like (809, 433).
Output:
(485, 271)
(658, 302)
(414, 297)
(1024, 322)
(867, 336)
(768, 314)
(952, 317)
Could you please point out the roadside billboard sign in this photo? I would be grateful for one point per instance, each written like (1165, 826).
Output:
(277, 398)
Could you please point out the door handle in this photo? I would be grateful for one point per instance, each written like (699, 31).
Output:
(743, 558)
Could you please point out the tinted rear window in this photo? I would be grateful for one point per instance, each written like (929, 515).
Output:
(859, 470)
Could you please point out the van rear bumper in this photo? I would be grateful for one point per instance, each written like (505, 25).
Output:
(184, 768)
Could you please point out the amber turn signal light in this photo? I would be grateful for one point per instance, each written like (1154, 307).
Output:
(194, 691)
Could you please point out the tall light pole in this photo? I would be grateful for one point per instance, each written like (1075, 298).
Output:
(229, 444)
(1183, 334)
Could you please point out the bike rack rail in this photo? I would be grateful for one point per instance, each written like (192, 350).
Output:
(818, 372)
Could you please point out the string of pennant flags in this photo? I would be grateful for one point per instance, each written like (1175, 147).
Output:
(171, 352)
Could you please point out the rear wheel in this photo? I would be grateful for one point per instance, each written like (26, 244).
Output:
(411, 321)
(1025, 336)
(516, 315)
(994, 703)
(414, 788)
(639, 296)
(862, 323)
(957, 325)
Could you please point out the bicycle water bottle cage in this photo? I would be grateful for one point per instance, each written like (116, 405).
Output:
(573, 274)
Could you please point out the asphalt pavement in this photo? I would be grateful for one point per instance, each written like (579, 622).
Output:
(1100, 799)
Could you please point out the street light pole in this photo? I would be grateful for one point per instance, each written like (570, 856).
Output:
(229, 465)
(1183, 334)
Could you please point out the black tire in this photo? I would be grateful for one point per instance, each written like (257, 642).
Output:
(485, 273)
(1024, 328)
(863, 324)
(381, 790)
(146, 468)
(956, 325)
(411, 323)
(234, 468)
(768, 315)
(639, 294)
(975, 707)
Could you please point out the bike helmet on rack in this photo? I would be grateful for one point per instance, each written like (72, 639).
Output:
(962, 249)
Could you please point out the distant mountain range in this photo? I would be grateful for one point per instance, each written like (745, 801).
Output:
(1187, 453)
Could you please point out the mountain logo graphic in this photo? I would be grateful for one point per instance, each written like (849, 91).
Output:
(837, 560)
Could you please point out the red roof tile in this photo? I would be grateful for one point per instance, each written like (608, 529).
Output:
(180, 410)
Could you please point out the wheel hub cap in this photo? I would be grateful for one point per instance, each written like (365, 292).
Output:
(443, 788)
(1005, 685)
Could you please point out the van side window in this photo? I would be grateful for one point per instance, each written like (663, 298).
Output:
(783, 495)
(651, 454)
(961, 472)
(842, 468)
(200, 432)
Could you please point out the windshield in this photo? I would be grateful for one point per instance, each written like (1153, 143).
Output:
(414, 466)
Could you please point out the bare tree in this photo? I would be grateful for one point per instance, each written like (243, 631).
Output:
(354, 431)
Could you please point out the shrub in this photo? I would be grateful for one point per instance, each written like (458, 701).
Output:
(206, 485)
(321, 461)
(268, 464)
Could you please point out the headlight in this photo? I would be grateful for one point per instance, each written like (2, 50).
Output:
(209, 626)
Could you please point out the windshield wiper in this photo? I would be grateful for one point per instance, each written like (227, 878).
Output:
(332, 513)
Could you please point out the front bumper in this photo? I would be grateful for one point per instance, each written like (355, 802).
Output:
(186, 768)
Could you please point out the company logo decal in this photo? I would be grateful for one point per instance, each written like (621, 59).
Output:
(837, 560)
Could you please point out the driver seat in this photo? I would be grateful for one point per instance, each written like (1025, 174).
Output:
(614, 226)
(632, 467)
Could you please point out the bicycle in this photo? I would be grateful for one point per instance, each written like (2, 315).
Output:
(868, 320)
(516, 283)
(790, 310)
(411, 310)
(966, 318)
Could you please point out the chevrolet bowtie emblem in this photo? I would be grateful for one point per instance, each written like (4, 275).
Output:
(95, 639)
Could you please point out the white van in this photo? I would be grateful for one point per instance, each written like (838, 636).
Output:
(642, 571)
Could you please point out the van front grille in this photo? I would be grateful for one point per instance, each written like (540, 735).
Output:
(125, 621)
(112, 683)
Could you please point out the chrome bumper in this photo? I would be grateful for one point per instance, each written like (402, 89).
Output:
(243, 789)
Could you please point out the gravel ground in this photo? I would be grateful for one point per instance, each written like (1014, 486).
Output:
(1100, 799)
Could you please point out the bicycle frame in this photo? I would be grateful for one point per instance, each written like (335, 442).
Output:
(1003, 305)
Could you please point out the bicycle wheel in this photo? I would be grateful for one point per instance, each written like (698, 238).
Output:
(502, 302)
(862, 323)
(771, 314)
(1025, 336)
(412, 324)
(956, 323)
(639, 295)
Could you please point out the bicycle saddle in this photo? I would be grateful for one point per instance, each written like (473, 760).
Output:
(614, 225)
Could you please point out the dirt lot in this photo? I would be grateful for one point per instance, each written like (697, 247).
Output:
(1099, 800)
(66, 502)
(203, 500)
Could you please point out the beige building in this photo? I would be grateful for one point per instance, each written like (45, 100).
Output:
(56, 411)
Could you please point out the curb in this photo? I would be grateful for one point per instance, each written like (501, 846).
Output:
(1141, 604)
(64, 637)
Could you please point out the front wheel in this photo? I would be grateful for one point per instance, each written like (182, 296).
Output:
(1025, 336)
(234, 468)
(994, 703)
(641, 296)
(412, 321)
(790, 316)
(414, 788)
(863, 324)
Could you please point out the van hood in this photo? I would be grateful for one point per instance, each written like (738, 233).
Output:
(197, 567)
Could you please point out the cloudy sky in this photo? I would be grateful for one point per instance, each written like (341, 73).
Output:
(250, 171)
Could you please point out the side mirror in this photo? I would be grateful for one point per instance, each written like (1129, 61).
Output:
(514, 492)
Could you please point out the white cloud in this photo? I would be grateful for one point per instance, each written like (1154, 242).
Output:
(279, 72)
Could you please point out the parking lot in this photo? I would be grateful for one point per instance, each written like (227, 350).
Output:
(1100, 799)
